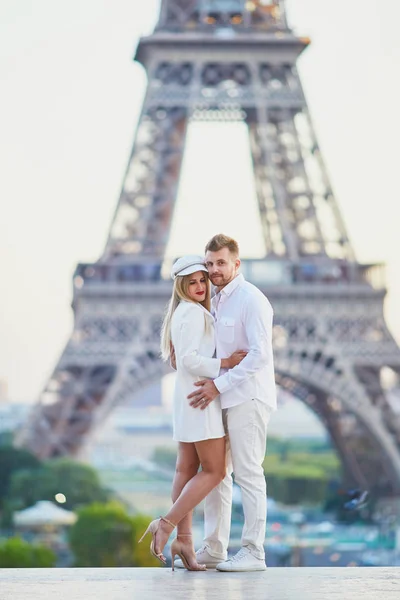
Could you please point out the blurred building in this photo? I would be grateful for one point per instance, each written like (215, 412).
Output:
(134, 430)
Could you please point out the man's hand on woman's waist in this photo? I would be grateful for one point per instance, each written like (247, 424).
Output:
(206, 393)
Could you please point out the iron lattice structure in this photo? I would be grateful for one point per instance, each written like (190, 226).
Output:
(230, 60)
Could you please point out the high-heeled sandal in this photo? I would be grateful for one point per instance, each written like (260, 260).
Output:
(176, 550)
(153, 528)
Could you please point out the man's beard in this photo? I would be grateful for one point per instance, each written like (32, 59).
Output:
(221, 280)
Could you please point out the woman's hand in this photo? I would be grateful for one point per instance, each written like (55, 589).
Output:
(233, 360)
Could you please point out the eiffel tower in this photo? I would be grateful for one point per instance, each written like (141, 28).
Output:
(233, 60)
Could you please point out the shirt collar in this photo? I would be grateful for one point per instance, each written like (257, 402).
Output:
(205, 311)
(232, 285)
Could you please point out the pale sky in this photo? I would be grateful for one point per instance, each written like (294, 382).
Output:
(69, 102)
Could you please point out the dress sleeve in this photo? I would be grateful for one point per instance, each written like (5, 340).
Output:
(191, 333)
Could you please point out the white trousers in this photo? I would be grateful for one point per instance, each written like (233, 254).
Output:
(246, 428)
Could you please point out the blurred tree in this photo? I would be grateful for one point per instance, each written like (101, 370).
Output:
(6, 438)
(13, 460)
(300, 476)
(78, 482)
(299, 445)
(16, 553)
(141, 553)
(102, 537)
(106, 536)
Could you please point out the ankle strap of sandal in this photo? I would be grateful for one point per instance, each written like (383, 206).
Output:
(168, 521)
(183, 534)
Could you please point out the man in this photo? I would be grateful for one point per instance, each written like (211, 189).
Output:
(243, 321)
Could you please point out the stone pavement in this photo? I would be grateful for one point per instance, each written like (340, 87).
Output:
(333, 583)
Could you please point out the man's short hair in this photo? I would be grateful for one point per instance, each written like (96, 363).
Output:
(220, 241)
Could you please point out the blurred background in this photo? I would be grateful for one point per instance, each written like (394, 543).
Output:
(71, 98)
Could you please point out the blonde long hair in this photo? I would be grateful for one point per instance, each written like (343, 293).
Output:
(179, 293)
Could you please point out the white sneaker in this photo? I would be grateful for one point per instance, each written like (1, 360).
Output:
(243, 560)
(203, 557)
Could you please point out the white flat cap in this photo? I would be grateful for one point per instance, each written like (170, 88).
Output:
(188, 264)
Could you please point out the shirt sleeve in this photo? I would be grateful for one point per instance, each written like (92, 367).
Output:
(257, 316)
(191, 333)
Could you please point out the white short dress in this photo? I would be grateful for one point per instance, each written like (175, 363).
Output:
(192, 334)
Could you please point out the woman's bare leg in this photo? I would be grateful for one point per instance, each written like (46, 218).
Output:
(212, 459)
(187, 465)
(211, 454)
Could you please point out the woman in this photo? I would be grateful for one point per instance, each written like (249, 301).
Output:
(189, 327)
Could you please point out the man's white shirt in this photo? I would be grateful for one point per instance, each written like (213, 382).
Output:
(243, 321)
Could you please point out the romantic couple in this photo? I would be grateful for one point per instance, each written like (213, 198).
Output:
(224, 396)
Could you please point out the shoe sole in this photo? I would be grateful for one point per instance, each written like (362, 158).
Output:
(208, 565)
(237, 570)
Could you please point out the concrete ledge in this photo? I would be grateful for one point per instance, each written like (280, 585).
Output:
(374, 583)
